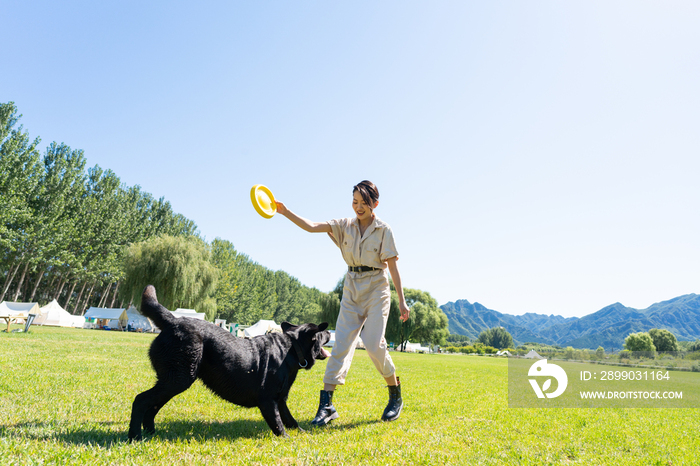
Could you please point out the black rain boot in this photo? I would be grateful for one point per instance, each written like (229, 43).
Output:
(326, 411)
(393, 409)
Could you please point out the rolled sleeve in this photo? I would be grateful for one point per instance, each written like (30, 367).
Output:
(388, 245)
(337, 233)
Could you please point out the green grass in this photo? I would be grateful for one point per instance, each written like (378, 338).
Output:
(66, 399)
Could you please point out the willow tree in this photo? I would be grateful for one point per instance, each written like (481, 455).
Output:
(427, 322)
(496, 337)
(330, 304)
(179, 268)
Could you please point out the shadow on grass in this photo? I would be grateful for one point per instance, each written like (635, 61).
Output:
(348, 426)
(110, 434)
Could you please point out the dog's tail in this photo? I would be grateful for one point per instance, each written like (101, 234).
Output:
(151, 308)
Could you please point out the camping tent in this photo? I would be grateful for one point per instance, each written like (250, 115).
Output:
(133, 318)
(105, 315)
(120, 318)
(54, 315)
(416, 348)
(179, 312)
(533, 355)
(9, 308)
(262, 327)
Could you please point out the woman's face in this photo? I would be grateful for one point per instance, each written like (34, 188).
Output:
(361, 208)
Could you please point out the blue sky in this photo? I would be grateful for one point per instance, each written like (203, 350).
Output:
(532, 156)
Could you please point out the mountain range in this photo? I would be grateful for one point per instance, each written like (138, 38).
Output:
(607, 328)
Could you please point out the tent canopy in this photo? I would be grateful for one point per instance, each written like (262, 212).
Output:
(103, 313)
(10, 308)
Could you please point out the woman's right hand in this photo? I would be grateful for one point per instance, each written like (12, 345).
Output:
(281, 208)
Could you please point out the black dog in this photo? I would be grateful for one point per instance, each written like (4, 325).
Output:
(248, 372)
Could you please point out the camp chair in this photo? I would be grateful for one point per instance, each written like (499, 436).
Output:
(30, 318)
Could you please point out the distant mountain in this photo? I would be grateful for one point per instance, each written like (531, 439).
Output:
(607, 328)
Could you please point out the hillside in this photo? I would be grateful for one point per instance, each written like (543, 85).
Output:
(607, 327)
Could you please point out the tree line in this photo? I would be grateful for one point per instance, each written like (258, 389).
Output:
(644, 343)
(63, 229)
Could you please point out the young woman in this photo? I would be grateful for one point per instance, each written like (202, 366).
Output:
(367, 245)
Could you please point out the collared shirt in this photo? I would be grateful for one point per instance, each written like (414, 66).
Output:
(371, 249)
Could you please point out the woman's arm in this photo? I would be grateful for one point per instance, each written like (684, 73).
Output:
(304, 224)
(396, 277)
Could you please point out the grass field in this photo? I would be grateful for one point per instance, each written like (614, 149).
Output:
(66, 398)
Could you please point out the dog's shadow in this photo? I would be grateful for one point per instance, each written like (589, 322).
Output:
(106, 435)
(110, 434)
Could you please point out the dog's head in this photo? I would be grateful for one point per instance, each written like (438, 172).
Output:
(309, 339)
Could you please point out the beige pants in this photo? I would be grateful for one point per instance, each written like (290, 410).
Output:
(366, 301)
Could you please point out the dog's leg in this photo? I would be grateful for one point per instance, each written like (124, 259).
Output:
(270, 412)
(147, 404)
(149, 420)
(286, 416)
(138, 409)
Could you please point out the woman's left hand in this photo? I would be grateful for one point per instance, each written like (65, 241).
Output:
(405, 312)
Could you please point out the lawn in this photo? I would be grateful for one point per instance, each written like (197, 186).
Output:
(67, 394)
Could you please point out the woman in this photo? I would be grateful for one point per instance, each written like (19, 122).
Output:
(367, 245)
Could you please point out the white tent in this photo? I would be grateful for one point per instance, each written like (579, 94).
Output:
(179, 312)
(504, 353)
(533, 355)
(262, 327)
(21, 309)
(54, 315)
(132, 317)
(416, 348)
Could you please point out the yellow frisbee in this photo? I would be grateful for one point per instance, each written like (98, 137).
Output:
(263, 201)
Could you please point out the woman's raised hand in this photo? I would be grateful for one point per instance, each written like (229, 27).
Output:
(281, 208)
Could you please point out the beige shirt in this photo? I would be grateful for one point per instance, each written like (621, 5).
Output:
(371, 249)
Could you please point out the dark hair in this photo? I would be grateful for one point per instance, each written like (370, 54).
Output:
(368, 191)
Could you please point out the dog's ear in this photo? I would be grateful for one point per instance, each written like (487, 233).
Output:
(323, 326)
(286, 326)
